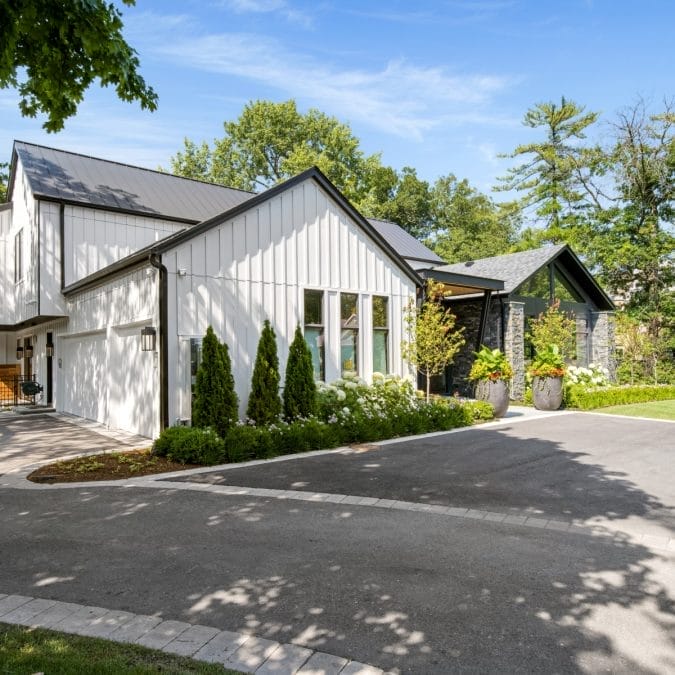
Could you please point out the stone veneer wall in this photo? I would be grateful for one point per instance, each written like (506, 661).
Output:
(468, 316)
(603, 343)
(582, 340)
(514, 345)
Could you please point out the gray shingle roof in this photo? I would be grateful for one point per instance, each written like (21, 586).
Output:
(513, 268)
(72, 177)
(403, 243)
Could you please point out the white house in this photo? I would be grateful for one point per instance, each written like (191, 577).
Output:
(92, 252)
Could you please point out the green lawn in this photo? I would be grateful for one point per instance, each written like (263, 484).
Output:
(25, 650)
(660, 410)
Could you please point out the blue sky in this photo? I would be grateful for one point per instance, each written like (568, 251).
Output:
(438, 85)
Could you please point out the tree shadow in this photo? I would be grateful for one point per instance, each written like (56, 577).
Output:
(407, 591)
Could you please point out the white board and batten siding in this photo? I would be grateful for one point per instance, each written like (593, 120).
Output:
(102, 373)
(95, 238)
(258, 265)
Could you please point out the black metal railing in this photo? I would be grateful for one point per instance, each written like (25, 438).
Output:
(12, 393)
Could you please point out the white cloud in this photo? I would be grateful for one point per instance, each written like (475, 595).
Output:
(400, 98)
(280, 7)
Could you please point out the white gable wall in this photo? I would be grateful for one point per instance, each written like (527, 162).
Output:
(257, 267)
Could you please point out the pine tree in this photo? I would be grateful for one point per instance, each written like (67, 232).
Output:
(299, 388)
(215, 404)
(264, 404)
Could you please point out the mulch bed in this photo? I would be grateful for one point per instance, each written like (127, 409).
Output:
(106, 466)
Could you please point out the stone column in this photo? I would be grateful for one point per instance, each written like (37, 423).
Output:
(514, 345)
(582, 339)
(603, 344)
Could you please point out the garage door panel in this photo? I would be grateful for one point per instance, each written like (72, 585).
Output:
(84, 366)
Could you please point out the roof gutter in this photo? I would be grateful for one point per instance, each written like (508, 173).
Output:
(156, 261)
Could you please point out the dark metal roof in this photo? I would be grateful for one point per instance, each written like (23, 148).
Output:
(516, 268)
(405, 244)
(73, 178)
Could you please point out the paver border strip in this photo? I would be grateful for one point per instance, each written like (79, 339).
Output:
(239, 651)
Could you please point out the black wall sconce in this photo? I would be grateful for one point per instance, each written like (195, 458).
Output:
(19, 353)
(49, 349)
(28, 351)
(148, 339)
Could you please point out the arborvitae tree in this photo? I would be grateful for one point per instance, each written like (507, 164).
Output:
(215, 403)
(299, 388)
(264, 404)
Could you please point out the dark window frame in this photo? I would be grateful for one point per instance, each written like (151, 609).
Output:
(320, 346)
(381, 329)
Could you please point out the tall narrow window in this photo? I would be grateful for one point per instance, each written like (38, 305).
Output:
(314, 331)
(18, 256)
(195, 361)
(380, 334)
(349, 338)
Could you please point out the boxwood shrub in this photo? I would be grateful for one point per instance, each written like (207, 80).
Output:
(587, 399)
(350, 411)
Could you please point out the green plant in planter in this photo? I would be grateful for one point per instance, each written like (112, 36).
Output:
(547, 370)
(491, 371)
(490, 364)
(548, 362)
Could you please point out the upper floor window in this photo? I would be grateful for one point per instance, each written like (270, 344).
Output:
(349, 337)
(314, 331)
(18, 256)
(380, 334)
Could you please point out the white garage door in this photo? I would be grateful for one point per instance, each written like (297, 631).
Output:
(84, 382)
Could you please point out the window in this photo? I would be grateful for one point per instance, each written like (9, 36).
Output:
(380, 334)
(195, 361)
(563, 289)
(314, 331)
(18, 256)
(349, 337)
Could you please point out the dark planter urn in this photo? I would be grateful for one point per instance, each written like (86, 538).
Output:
(547, 392)
(495, 392)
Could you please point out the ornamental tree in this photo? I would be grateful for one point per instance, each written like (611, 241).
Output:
(215, 404)
(300, 387)
(264, 404)
(432, 340)
(53, 51)
(554, 327)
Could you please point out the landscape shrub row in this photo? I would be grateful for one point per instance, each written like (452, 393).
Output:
(350, 411)
(578, 396)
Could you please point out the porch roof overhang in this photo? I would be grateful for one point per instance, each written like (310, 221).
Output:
(462, 284)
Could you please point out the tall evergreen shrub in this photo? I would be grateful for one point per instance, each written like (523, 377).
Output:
(215, 403)
(299, 387)
(264, 404)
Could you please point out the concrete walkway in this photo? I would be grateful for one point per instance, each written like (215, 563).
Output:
(236, 651)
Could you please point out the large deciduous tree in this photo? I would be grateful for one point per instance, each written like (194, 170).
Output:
(53, 51)
(271, 142)
(468, 224)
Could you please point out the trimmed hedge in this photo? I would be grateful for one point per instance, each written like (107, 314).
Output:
(243, 442)
(587, 399)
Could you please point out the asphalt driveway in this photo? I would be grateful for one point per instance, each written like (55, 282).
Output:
(411, 591)
(578, 466)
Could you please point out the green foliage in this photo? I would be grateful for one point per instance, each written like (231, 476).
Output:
(580, 397)
(552, 176)
(547, 362)
(52, 52)
(554, 327)
(299, 389)
(467, 224)
(490, 364)
(432, 341)
(190, 445)
(215, 403)
(271, 142)
(350, 411)
(4, 180)
(264, 404)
